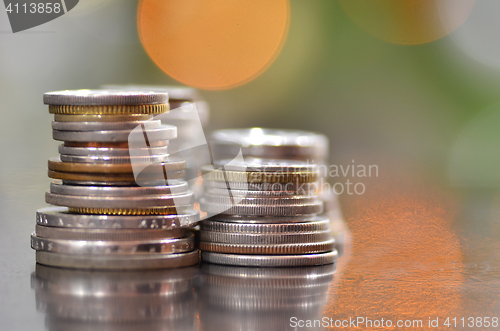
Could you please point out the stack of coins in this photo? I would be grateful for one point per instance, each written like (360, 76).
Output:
(297, 145)
(265, 215)
(108, 300)
(123, 203)
(245, 298)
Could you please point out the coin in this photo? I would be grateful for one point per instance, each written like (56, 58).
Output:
(109, 109)
(266, 238)
(241, 200)
(118, 261)
(129, 202)
(106, 179)
(104, 126)
(102, 118)
(270, 260)
(258, 177)
(164, 132)
(115, 159)
(155, 169)
(101, 97)
(312, 225)
(110, 151)
(300, 188)
(271, 143)
(255, 194)
(278, 249)
(159, 143)
(59, 217)
(173, 187)
(129, 211)
(139, 247)
(265, 219)
(262, 210)
(105, 234)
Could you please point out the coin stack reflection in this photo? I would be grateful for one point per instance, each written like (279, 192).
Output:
(123, 202)
(265, 215)
(107, 300)
(298, 145)
(245, 298)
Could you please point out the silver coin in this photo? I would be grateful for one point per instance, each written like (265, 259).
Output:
(174, 187)
(175, 93)
(164, 132)
(113, 159)
(244, 219)
(140, 247)
(262, 210)
(118, 261)
(59, 217)
(270, 260)
(51, 232)
(265, 239)
(111, 151)
(318, 224)
(261, 142)
(104, 126)
(105, 97)
(264, 165)
(300, 188)
(151, 201)
(255, 194)
(241, 200)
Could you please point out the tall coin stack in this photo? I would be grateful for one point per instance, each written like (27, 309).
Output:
(298, 145)
(265, 215)
(123, 203)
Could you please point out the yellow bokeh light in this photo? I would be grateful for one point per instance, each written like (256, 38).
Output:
(409, 21)
(213, 44)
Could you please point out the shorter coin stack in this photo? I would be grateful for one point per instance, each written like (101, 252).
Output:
(266, 215)
(109, 221)
(311, 147)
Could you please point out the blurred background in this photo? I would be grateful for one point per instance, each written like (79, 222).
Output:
(413, 88)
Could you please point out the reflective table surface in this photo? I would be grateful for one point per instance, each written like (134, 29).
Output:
(417, 252)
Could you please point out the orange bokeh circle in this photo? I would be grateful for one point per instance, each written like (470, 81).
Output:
(408, 21)
(213, 44)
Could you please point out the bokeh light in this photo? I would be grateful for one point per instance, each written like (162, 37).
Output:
(479, 37)
(213, 44)
(410, 21)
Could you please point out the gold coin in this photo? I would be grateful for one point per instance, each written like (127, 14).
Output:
(109, 177)
(261, 177)
(109, 109)
(115, 168)
(121, 211)
(159, 143)
(102, 118)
